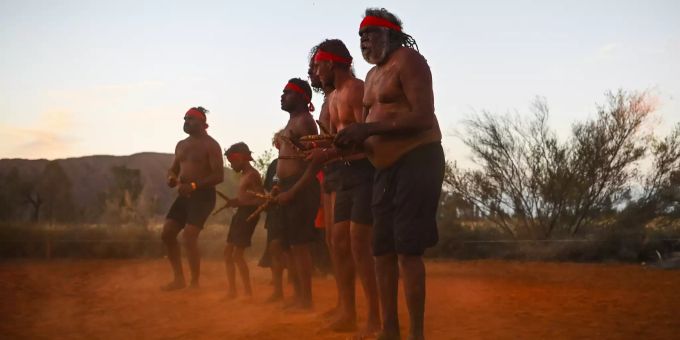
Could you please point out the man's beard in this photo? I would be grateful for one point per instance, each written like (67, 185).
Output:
(377, 52)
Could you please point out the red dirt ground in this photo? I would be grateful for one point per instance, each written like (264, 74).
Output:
(120, 299)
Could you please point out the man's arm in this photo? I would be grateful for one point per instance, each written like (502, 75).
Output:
(251, 183)
(216, 164)
(173, 171)
(416, 81)
(310, 172)
(355, 99)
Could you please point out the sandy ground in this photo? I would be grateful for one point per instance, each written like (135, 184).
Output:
(120, 299)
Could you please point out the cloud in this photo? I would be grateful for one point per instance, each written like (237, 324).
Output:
(50, 137)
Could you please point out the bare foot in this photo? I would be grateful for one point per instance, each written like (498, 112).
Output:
(174, 285)
(369, 332)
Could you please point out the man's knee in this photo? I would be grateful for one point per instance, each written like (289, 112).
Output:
(190, 235)
(410, 260)
(341, 241)
(386, 260)
(275, 247)
(238, 255)
(170, 231)
(361, 241)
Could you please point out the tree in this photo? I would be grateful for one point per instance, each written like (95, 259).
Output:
(54, 189)
(122, 199)
(604, 154)
(261, 162)
(532, 185)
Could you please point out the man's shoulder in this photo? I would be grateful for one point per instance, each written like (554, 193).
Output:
(356, 84)
(210, 141)
(405, 56)
(254, 174)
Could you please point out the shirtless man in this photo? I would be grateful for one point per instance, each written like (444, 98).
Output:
(241, 230)
(299, 201)
(330, 175)
(403, 141)
(195, 170)
(351, 231)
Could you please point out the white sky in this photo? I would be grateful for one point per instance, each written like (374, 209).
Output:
(115, 77)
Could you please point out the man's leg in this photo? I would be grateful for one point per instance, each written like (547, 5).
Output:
(231, 271)
(328, 220)
(243, 269)
(169, 236)
(190, 237)
(344, 275)
(302, 262)
(364, 265)
(387, 275)
(276, 253)
(413, 269)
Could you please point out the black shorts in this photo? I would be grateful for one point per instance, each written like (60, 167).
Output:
(331, 178)
(298, 216)
(355, 189)
(405, 201)
(241, 230)
(274, 225)
(194, 209)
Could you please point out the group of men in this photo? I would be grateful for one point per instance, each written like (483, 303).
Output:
(376, 170)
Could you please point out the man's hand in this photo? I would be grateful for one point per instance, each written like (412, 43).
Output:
(185, 189)
(352, 135)
(172, 181)
(318, 156)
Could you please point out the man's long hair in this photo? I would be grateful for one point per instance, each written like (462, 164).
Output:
(401, 38)
(335, 46)
(312, 53)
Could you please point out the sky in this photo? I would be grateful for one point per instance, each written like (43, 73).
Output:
(84, 78)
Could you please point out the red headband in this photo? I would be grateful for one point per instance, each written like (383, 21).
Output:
(237, 156)
(377, 21)
(193, 112)
(298, 89)
(321, 55)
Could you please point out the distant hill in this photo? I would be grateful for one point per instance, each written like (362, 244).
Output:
(91, 176)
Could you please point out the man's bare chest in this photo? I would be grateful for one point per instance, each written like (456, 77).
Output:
(192, 152)
(383, 87)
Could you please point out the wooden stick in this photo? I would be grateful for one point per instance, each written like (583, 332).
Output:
(223, 195)
(260, 195)
(259, 210)
(293, 157)
(311, 138)
(220, 209)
